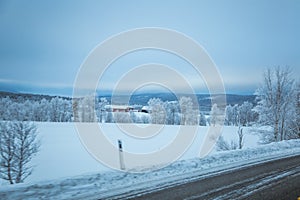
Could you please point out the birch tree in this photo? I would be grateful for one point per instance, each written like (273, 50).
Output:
(158, 114)
(275, 100)
(189, 116)
(7, 149)
(86, 109)
(18, 145)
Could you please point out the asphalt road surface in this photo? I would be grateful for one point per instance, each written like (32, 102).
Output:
(279, 179)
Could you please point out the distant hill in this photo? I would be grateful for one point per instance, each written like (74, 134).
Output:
(20, 97)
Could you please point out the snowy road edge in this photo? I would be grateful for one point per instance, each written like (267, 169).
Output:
(168, 182)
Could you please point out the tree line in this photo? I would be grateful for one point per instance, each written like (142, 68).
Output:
(182, 112)
(52, 110)
(277, 106)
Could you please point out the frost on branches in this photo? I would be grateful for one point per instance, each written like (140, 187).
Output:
(18, 145)
(278, 103)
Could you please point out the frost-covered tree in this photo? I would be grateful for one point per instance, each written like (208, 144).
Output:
(16, 111)
(192, 118)
(27, 111)
(172, 112)
(158, 114)
(231, 115)
(60, 110)
(57, 109)
(42, 111)
(189, 116)
(5, 103)
(101, 109)
(122, 117)
(245, 113)
(235, 115)
(54, 109)
(26, 147)
(228, 117)
(75, 107)
(134, 118)
(202, 120)
(66, 112)
(294, 119)
(35, 116)
(215, 115)
(275, 101)
(18, 145)
(145, 119)
(109, 117)
(86, 109)
(7, 152)
(240, 115)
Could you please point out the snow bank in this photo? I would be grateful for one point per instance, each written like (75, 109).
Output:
(106, 184)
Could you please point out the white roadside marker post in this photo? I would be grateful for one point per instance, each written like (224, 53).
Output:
(121, 157)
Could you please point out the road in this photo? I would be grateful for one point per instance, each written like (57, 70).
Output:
(277, 179)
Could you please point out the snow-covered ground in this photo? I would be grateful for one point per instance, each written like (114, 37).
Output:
(65, 170)
(63, 155)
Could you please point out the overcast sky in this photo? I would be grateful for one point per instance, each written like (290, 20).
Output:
(43, 43)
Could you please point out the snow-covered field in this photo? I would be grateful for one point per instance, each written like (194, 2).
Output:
(63, 155)
(65, 170)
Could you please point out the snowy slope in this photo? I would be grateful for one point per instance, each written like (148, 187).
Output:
(107, 184)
